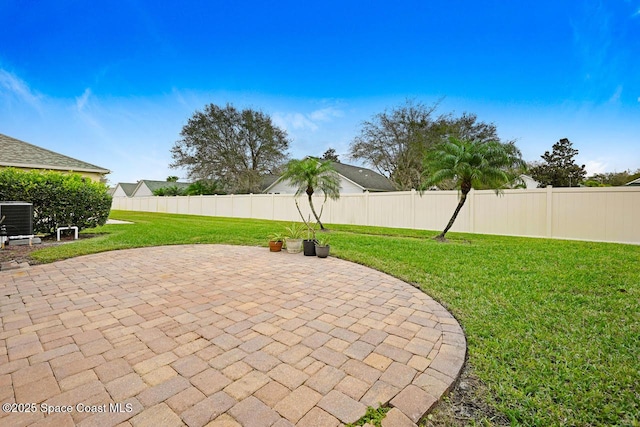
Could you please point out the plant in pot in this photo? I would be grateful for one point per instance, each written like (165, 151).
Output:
(293, 238)
(309, 244)
(275, 242)
(322, 246)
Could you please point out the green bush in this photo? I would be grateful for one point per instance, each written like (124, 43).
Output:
(171, 190)
(58, 199)
(203, 187)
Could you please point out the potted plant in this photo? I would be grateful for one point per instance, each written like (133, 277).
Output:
(322, 246)
(293, 238)
(275, 242)
(309, 244)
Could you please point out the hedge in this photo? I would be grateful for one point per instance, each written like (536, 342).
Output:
(59, 199)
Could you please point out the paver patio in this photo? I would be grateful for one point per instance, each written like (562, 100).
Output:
(221, 336)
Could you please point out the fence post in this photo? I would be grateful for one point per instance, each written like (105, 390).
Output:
(367, 220)
(413, 208)
(549, 211)
(472, 210)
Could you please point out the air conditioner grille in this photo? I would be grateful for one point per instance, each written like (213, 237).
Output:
(18, 218)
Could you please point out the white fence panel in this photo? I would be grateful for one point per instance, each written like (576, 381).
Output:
(599, 214)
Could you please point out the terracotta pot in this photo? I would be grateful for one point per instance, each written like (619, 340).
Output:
(275, 246)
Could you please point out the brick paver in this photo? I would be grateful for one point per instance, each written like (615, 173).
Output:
(220, 335)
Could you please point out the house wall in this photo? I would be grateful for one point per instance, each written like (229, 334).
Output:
(529, 182)
(142, 191)
(119, 192)
(607, 214)
(346, 187)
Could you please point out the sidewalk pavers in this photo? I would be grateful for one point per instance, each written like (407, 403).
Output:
(219, 335)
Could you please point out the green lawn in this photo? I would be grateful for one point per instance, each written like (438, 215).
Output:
(553, 327)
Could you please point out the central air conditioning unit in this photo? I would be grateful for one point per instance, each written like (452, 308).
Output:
(18, 218)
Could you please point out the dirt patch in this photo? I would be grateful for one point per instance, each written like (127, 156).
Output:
(465, 405)
(22, 253)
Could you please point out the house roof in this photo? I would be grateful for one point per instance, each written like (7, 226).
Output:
(155, 185)
(16, 153)
(128, 187)
(268, 181)
(634, 182)
(365, 178)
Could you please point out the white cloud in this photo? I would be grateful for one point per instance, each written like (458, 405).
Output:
(13, 85)
(82, 100)
(306, 121)
(326, 114)
(294, 121)
(594, 166)
(616, 95)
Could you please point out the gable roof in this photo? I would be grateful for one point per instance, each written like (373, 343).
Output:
(127, 187)
(634, 182)
(155, 185)
(16, 153)
(268, 181)
(364, 178)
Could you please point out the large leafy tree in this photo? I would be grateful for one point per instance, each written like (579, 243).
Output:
(395, 142)
(330, 154)
(559, 168)
(471, 164)
(466, 127)
(309, 176)
(235, 148)
(612, 179)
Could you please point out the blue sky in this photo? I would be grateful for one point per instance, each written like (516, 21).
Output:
(112, 83)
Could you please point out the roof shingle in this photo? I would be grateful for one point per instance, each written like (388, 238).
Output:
(16, 153)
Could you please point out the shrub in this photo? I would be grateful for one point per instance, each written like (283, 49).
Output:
(58, 199)
(171, 190)
(204, 187)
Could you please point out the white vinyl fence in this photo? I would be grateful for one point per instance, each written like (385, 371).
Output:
(610, 214)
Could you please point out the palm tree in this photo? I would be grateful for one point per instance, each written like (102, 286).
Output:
(469, 164)
(310, 175)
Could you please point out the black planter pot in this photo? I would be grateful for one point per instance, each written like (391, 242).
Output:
(309, 247)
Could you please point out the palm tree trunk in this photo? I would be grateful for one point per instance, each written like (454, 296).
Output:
(463, 198)
(313, 210)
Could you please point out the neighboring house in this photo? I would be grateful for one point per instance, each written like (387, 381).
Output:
(22, 155)
(268, 181)
(635, 182)
(146, 187)
(529, 182)
(353, 179)
(124, 189)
